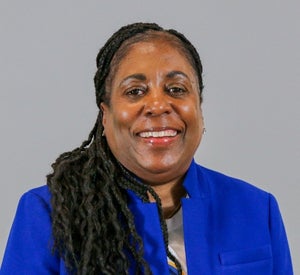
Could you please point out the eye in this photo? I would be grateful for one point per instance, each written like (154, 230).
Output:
(176, 91)
(135, 92)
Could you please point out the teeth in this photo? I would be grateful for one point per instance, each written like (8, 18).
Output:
(166, 133)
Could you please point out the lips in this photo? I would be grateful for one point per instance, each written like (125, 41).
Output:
(158, 134)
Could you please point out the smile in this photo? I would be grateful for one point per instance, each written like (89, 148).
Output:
(158, 134)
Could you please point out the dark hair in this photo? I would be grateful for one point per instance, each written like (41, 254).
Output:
(93, 228)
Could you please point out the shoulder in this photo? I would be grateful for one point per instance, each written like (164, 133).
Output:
(219, 183)
(232, 195)
(41, 192)
(30, 239)
(40, 195)
(34, 207)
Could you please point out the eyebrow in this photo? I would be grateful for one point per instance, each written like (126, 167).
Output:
(174, 74)
(140, 77)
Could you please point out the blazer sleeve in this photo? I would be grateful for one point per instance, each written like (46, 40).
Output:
(28, 249)
(282, 263)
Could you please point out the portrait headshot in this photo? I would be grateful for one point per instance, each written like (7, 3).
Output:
(150, 138)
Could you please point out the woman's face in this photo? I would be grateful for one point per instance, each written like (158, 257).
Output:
(153, 124)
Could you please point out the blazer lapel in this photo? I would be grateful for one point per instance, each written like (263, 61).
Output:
(148, 227)
(197, 223)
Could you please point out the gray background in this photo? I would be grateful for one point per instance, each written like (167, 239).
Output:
(250, 52)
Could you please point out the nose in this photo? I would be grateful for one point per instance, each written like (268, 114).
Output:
(157, 103)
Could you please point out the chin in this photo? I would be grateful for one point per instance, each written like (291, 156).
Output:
(159, 172)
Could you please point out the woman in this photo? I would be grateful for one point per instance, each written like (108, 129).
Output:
(131, 200)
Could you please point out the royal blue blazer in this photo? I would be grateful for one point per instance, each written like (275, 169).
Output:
(230, 227)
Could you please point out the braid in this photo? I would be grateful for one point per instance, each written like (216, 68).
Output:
(93, 228)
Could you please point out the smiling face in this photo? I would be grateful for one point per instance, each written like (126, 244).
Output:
(153, 123)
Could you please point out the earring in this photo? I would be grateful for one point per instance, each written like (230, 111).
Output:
(204, 131)
(103, 133)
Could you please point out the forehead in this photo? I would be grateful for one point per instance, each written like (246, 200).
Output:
(153, 54)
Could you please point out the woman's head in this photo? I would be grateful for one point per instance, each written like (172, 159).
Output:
(163, 70)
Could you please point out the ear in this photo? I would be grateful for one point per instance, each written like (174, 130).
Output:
(104, 109)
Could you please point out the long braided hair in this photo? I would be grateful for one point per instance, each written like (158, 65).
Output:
(92, 226)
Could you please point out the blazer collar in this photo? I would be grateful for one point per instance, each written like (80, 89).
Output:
(195, 182)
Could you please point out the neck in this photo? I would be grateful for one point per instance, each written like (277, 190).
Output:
(170, 195)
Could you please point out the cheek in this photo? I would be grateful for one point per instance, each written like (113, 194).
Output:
(194, 122)
(124, 115)
(122, 118)
(188, 109)
(192, 113)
